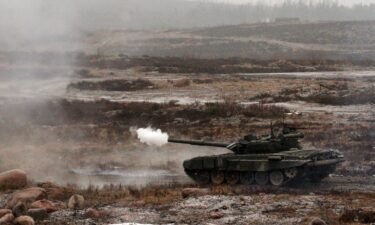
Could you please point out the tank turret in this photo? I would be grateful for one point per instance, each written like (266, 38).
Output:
(278, 141)
(276, 159)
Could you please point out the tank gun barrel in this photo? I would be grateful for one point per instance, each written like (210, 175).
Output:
(198, 142)
(295, 135)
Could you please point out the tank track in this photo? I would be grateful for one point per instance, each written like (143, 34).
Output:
(274, 178)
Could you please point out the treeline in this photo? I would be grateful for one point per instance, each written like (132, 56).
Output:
(164, 14)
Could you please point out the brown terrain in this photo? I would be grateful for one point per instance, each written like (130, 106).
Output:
(69, 124)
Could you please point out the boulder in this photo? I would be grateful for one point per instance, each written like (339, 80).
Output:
(38, 214)
(24, 220)
(6, 219)
(26, 196)
(184, 82)
(13, 179)
(3, 212)
(19, 209)
(76, 202)
(216, 215)
(188, 192)
(95, 214)
(44, 204)
(317, 221)
(362, 215)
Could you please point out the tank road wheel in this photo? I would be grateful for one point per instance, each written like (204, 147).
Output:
(232, 177)
(291, 173)
(201, 177)
(247, 178)
(276, 178)
(217, 177)
(261, 178)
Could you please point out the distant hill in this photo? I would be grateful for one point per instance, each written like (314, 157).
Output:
(188, 28)
(346, 40)
(166, 14)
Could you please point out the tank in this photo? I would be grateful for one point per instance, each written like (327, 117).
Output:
(276, 159)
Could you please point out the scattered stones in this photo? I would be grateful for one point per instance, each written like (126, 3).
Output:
(24, 220)
(26, 196)
(19, 209)
(44, 204)
(76, 202)
(6, 219)
(317, 221)
(188, 192)
(13, 179)
(3, 212)
(38, 214)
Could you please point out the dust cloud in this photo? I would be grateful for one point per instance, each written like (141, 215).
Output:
(34, 72)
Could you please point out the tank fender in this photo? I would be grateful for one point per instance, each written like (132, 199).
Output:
(199, 163)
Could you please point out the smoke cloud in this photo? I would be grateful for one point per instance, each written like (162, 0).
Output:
(152, 136)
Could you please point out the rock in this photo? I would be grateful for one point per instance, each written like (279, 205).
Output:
(38, 214)
(76, 202)
(363, 215)
(13, 179)
(44, 204)
(317, 221)
(95, 214)
(26, 196)
(216, 215)
(19, 209)
(188, 192)
(47, 185)
(6, 219)
(184, 82)
(24, 220)
(3, 212)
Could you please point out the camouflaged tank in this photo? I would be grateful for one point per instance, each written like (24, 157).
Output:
(276, 159)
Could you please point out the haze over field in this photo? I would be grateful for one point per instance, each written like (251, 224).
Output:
(341, 2)
(60, 17)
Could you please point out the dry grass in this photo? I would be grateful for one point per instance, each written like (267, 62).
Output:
(215, 66)
(231, 108)
(184, 82)
(112, 85)
(338, 93)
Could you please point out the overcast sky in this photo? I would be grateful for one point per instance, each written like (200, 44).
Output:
(344, 2)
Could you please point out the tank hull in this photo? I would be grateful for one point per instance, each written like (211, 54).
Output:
(276, 169)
